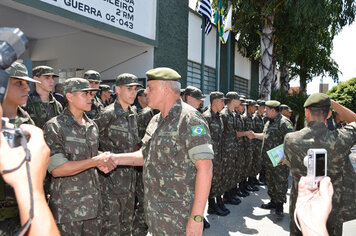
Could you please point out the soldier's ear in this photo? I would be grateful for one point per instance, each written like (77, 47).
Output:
(69, 97)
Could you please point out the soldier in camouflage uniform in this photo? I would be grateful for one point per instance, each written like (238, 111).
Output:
(105, 93)
(176, 154)
(339, 169)
(250, 145)
(258, 119)
(73, 140)
(229, 154)
(16, 96)
(273, 135)
(94, 80)
(41, 104)
(216, 128)
(118, 134)
(194, 97)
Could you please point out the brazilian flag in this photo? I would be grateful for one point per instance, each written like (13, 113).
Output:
(219, 21)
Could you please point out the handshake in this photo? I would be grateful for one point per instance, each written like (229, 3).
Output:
(250, 134)
(105, 162)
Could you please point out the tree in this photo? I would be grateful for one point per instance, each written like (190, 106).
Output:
(345, 93)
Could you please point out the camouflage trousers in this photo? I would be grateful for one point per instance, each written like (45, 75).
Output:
(216, 187)
(118, 213)
(140, 227)
(257, 160)
(277, 182)
(85, 227)
(9, 226)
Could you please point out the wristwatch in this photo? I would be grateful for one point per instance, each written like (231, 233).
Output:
(197, 218)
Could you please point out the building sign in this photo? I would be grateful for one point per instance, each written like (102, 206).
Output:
(136, 16)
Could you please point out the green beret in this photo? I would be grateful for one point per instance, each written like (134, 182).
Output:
(127, 79)
(272, 104)
(261, 102)
(19, 71)
(318, 100)
(232, 95)
(92, 75)
(72, 85)
(163, 73)
(216, 95)
(43, 70)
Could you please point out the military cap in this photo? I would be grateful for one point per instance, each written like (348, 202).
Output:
(194, 92)
(216, 95)
(127, 79)
(243, 100)
(140, 92)
(232, 95)
(284, 107)
(317, 100)
(290, 110)
(19, 71)
(92, 75)
(72, 85)
(105, 87)
(242, 96)
(163, 73)
(261, 102)
(251, 102)
(272, 104)
(43, 70)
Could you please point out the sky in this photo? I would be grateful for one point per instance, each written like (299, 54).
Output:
(344, 53)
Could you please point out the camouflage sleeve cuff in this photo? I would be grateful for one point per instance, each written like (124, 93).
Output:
(204, 151)
(55, 161)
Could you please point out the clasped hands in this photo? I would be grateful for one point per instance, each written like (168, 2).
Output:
(105, 162)
(250, 134)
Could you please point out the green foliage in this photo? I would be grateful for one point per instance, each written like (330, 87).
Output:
(345, 93)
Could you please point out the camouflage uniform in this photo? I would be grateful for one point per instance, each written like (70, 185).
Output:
(216, 128)
(40, 112)
(337, 143)
(139, 225)
(258, 128)
(118, 134)
(75, 200)
(276, 177)
(9, 213)
(96, 107)
(249, 147)
(170, 148)
(240, 155)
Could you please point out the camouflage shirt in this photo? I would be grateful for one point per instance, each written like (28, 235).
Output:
(22, 118)
(118, 134)
(143, 119)
(96, 107)
(338, 143)
(171, 147)
(229, 133)
(258, 122)
(41, 112)
(273, 135)
(216, 128)
(77, 197)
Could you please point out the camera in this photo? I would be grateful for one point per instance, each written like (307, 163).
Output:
(316, 162)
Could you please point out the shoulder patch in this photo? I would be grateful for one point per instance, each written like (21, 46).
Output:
(198, 130)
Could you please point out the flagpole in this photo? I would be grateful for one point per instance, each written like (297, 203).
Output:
(202, 54)
(217, 64)
(229, 57)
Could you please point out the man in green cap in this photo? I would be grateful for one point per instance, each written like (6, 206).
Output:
(176, 155)
(41, 104)
(286, 111)
(337, 143)
(194, 97)
(17, 94)
(273, 135)
(94, 79)
(73, 140)
(105, 94)
(118, 134)
(212, 116)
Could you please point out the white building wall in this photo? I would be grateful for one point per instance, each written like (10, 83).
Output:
(242, 65)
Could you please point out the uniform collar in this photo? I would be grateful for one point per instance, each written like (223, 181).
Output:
(175, 110)
(36, 97)
(316, 124)
(119, 110)
(70, 119)
(277, 118)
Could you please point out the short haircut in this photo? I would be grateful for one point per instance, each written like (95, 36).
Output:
(319, 112)
(175, 86)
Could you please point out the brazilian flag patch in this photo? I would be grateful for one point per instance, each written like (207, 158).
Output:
(198, 130)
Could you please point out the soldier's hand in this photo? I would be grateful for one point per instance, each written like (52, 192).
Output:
(194, 228)
(251, 134)
(104, 162)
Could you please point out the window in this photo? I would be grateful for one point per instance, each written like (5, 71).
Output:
(193, 77)
(241, 85)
